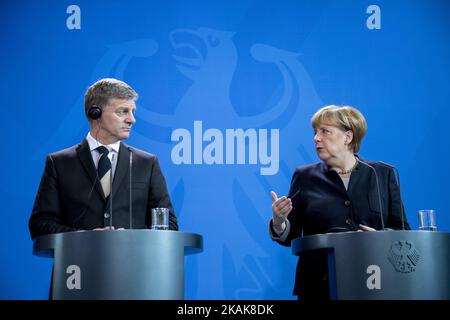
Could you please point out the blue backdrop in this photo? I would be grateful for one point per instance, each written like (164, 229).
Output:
(207, 70)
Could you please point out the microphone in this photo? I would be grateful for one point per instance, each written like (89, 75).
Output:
(97, 178)
(87, 202)
(131, 189)
(397, 178)
(378, 190)
(111, 193)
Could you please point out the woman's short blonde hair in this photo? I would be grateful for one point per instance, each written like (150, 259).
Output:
(345, 118)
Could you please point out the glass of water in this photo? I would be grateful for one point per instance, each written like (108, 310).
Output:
(427, 220)
(160, 219)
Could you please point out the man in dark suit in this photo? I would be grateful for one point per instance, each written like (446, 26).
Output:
(75, 190)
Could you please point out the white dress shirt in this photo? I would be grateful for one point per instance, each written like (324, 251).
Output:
(113, 154)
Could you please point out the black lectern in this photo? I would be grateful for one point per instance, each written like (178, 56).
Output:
(121, 264)
(404, 265)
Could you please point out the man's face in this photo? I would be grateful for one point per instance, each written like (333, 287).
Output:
(116, 121)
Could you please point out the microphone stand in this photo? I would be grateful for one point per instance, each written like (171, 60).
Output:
(111, 193)
(378, 190)
(397, 178)
(131, 191)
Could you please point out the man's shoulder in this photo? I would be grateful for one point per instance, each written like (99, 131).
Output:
(140, 153)
(64, 153)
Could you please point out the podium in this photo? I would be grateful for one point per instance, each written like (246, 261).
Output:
(384, 265)
(121, 264)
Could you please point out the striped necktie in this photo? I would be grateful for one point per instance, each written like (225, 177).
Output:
(104, 170)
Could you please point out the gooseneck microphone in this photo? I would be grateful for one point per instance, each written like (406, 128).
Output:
(111, 193)
(131, 189)
(378, 190)
(397, 178)
(81, 215)
(97, 178)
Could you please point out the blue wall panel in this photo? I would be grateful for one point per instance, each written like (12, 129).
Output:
(262, 66)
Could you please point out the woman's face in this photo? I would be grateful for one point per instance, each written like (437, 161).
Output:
(331, 142)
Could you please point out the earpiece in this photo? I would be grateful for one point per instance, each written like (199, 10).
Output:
(94, 112)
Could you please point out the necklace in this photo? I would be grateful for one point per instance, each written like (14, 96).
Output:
(349, 170)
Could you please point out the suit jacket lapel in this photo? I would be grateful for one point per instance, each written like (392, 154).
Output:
(357, 178)
(336, 181)
(84, 154)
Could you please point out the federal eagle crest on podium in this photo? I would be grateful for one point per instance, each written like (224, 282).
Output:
(404, 256)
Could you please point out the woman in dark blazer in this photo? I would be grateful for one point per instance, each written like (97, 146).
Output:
(338, 194)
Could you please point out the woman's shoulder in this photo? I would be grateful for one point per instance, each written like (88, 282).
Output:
(309, 168)
(378, 164)
(381, 167)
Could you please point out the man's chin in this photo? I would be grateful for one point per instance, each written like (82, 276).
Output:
(124, 136)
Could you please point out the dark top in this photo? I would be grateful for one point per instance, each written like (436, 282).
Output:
(321, 204)
(70, 196)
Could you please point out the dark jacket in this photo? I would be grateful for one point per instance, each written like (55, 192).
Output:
(70, 196)
(321, 204)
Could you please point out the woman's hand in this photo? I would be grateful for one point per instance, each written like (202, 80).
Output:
(280, 210)
(365, 228)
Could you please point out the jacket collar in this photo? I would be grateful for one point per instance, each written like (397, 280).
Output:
(84, 154)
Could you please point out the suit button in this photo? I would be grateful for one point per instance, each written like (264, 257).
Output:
(106, 215)
(347, 203)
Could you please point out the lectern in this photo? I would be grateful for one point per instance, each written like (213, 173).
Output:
(403, 265)
(120, 264)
